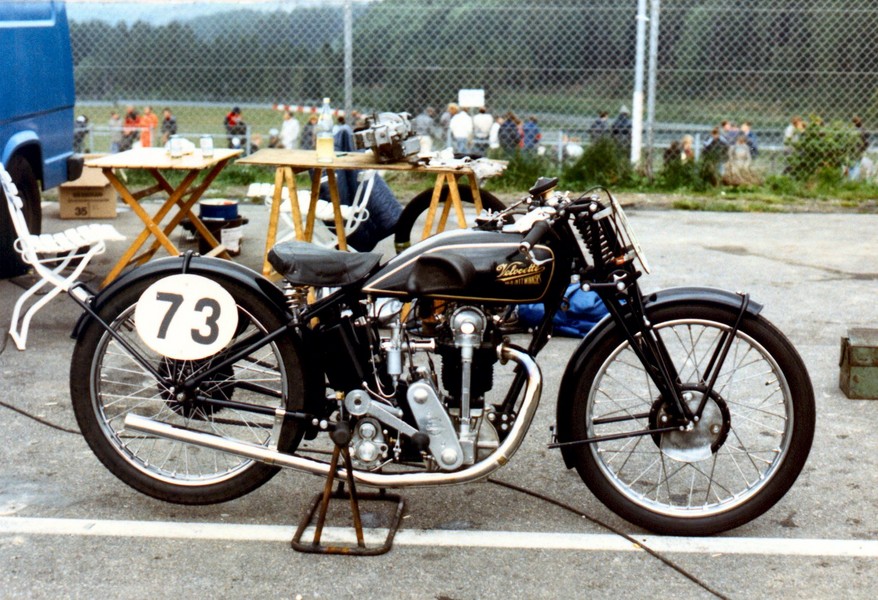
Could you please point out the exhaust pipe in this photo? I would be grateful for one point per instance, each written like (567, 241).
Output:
(481, 469)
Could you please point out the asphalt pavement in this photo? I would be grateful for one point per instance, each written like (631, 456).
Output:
(68, 528)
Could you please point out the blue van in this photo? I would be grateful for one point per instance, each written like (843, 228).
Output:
(36, 110)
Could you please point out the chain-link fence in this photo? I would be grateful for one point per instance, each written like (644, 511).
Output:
(561, 62)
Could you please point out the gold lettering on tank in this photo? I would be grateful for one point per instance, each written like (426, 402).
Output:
(520, 273)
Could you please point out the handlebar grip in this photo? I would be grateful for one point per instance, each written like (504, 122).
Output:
(536, 233)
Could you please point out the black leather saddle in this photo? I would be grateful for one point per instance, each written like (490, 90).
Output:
(303, 263)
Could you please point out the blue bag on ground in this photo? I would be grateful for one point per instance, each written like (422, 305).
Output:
(584, 311)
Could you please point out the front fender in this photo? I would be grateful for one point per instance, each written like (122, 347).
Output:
(652, 301)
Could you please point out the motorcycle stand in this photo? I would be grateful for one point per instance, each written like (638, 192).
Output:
(341, 437)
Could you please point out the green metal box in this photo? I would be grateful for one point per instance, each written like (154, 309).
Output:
(858, 375)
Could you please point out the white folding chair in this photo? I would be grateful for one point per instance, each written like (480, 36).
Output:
(50, 254)
(352, 215)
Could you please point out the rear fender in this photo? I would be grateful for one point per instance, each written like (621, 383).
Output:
(669, 297)
(218, 270)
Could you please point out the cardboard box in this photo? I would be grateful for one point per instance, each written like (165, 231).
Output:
(858, 373)
(89, 197)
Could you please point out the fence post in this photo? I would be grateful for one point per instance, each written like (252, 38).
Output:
(637, 100)
(348, 61)
(655, 8)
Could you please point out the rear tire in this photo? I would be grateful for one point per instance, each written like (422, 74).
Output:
(29, 191)
(107, 384)
(735, 464)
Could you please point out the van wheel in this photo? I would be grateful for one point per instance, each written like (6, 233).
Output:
(29, 192)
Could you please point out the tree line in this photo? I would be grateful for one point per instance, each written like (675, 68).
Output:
(558, 56)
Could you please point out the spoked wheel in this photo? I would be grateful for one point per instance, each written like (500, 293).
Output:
(107, 384)
(743, 455)
(410, 227)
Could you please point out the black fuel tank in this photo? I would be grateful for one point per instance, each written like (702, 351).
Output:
(467, 264)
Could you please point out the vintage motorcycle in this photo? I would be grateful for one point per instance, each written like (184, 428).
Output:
(194, 380)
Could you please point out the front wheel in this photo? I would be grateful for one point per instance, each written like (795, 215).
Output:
(742, 456)
(107, 384)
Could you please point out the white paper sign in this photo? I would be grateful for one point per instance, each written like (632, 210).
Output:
(186, 317)
(471, 98)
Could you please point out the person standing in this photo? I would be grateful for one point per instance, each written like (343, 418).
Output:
(621, 129)
(509, 135)
(530, 134)
(309, 134)
(115, 125)
(424, 125)
(482, 124)
(599, 127)
(862, 166)
(289, 131)
(130, 129)
(149, 122)
(169, 125)
(235, 127)
(752, 142)
(461, 128)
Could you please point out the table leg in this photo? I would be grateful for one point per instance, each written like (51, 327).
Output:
(151, 227)
(336, 208)
(312, 204)
(152, 222)
(477, 195)
(454, 198)
(434, 203)
(273, 215)
(290, 181)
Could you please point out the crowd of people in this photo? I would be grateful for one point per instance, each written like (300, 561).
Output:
(476, 131)
(730, 148)
(140, 129)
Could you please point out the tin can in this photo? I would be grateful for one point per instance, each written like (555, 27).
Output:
(206, 146)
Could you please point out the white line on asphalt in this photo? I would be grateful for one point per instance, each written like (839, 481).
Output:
(416, 537)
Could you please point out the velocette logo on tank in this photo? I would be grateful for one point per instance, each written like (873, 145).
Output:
(520, 273)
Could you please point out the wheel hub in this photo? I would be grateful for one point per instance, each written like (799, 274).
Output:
(698, 440)
(186, 403)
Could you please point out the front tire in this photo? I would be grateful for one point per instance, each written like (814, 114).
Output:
(735, 464)
(107, 384)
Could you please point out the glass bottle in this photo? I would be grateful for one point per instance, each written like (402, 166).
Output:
(325, 149)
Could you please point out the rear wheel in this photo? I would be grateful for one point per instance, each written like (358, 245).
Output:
(741, 457)
(29, 191)
(107, 384)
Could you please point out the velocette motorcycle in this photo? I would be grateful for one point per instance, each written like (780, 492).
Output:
(194, 380)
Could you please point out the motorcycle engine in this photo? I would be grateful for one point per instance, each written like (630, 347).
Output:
(467, 345)
(390, 137)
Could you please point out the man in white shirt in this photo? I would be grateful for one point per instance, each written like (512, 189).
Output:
(461, 128)
(482, 124)
(289, 131)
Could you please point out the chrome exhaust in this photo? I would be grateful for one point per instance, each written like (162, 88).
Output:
(481, 469)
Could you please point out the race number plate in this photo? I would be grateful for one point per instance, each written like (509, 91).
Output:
(186, 317)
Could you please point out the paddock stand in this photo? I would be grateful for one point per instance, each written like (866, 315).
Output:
(341, 437)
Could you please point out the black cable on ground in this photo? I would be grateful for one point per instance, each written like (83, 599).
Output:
(38, 419)
(614, 530)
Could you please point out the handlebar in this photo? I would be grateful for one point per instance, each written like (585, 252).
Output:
(536, 233)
